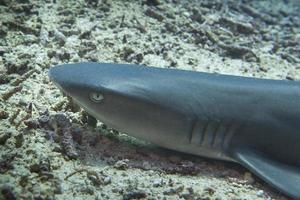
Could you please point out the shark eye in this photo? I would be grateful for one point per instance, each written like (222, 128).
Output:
(96, 97)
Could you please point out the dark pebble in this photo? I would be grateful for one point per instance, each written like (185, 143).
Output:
(137, 194)
(7, 193)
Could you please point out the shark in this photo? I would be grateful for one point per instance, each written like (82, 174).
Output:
(251, 121)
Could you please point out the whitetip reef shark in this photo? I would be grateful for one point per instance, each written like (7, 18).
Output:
(251, 121)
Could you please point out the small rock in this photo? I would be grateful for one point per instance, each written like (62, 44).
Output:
(154, 14)
(92, 2)
(3, 50)
(171, 182)
(172, 191)
(188, 167)
(146, 165)
(77, 134)
(44, 36)
(85, 34)
(260, 193)
(197, 16)
(121, 164)
(288, 77)
(43, 119)
(245, 28)
(4, 137)
(127, 51)
(32, 123)
(7, 192)
(4, 78)
(249, 178)
(51, 53)
(250, 10)
(87, 190)
(210, 191)
(68, 145)
(94, 178)
(19, 139)
(91, 121)
(169, 191)
(190, 190)
(42, 166)
(291, 75)
(59, 120)
(35, 168)
(116, 190)
(60, 37)
(153, 2)
(136, 194)
(6, 163)
(63, 127)
(107, 180)
(263, 68)
(188, 195)
(158, 182)
(64, 55)
(170, 27)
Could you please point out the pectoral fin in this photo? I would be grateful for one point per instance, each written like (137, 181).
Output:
(285, 178)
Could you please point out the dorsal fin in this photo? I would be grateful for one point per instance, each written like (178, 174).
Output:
(285, 178)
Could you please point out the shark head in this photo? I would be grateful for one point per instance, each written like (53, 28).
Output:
(128, 98)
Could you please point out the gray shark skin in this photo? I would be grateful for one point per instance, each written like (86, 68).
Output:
(254, 122)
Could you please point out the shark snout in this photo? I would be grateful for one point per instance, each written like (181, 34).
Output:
(57, 75)
(64, 77)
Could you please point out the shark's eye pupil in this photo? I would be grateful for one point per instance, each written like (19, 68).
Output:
(96, 97)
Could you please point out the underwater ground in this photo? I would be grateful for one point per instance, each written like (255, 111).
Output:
(50, 149)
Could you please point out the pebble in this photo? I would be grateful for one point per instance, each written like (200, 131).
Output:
(4, 137)
(260, 193)
(60, 37)
(170, 27)
(44, 36)
(153, 2)
(154, 14)
(158, 182)
(7, 192)
(197, 16)
(136, 194)
(107, 180)
(3, 50)
(87, 190)
(3, 114)
(19, 140)
(249, 178)
(189, 195)
(146, 165)
(291, 75)
(263, 68)
(210, 191)
(121, 164)
(172, 191)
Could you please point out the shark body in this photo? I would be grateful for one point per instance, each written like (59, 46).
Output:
(254, 122)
